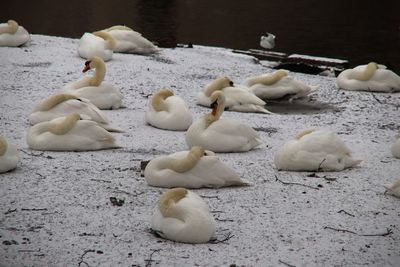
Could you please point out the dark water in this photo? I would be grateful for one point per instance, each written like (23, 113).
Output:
(360, 31)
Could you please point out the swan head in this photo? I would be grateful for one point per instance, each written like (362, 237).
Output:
(217, 100)
(3, 145)
(13, 25)
(169, 199)
(218, 84)
(93, 63)
(157, 101)
(198, 152)
(66, 125)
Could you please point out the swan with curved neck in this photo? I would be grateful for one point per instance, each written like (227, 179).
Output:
(63, 104)
(237, 98)
(69, 133)
(110, 41)
(168, 111)
(8, 156)
(370, 77)
(130, 41)
(103, 95)
(100, 44)
(183, 216)
(11, 34)
(315, 150)
(278, 85)
(221, 135)
(196, 168)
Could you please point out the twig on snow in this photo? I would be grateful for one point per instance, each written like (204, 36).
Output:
(290, 183)
(226, 238)
(10, 211)
(388, 231)
(83, 255)
(34, 209)
(217, 197)
(377, 99)
(320, 164)
(287, 264)
(345, 212)
(150, 260)
(100, 180)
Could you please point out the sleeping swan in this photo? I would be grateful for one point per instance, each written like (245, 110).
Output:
(100, 44)
(13, 35)
(371, 77)
(190, 169)
(221, 135)
(60, 105)
(182, 216)
(102, 95)
(69, 134)
(168, 112)
(396, 147)
(314, 150)
(129, 41)
(278, 85)
(236, 98)
(8, 156)
(394, 189)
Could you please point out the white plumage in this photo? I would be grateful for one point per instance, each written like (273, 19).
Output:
(95, 44)
(183, 216)
(11, 34)
(313, 150)
(396, 147)
(8, 156)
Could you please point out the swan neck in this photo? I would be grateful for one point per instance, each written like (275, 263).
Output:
(11, 28)
(3, 145)
(214, 86)
(54, 100)
(183, 165)
(99, 74)
(269, 79)
(110, 41)
(366, 74)
(158, 100)
(168, 204)
(66, 125)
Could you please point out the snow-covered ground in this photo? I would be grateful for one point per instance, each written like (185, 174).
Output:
(56, 210)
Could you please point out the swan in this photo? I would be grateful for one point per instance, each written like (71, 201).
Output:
(129, 41)
(190, 169)
(11, 34)
(221, 135)
(278, 85)
(268, 41)
(62, 104)
(236, 98)
(394, 189)
(313, 150)
(371, 77)
(169, 112)
(100, 44)
(102, 95)
(69, 134)
(182, 216)
(396, 147)
(8, 156)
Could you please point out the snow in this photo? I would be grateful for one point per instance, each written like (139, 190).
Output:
(324, 59)
(75, 223)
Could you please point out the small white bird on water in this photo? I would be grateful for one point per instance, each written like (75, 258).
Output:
(267, 41)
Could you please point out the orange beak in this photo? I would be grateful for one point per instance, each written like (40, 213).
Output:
(87, 66)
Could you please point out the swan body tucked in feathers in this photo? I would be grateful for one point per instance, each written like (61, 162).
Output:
(102, 95)
(182, 216)
(190, 169)
(394, 189)
(168, 112)
(60, 105)
(313, 150)
(371, 77)
(8, 156)
(69, 134)
(221, 135)
(11, 34)
(396, 147)
(130, 41)
(236, 98)
(100, 44)
(278, 85)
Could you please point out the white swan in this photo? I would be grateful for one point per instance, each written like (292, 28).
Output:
(268, 41)
(60, 105)
(167, 111)
(236, 98)
(278, 85)
(191, 169)
(371, 77)
(8, 156)
(11, 34)
(393, 189)
(100, 44)
(313, 150)
(221, 135)
(69, 134)
(102, 95)
(183, 216)
(129, 41)
(396, 147)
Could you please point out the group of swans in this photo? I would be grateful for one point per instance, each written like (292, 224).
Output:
(119, 39)
(72, 120)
